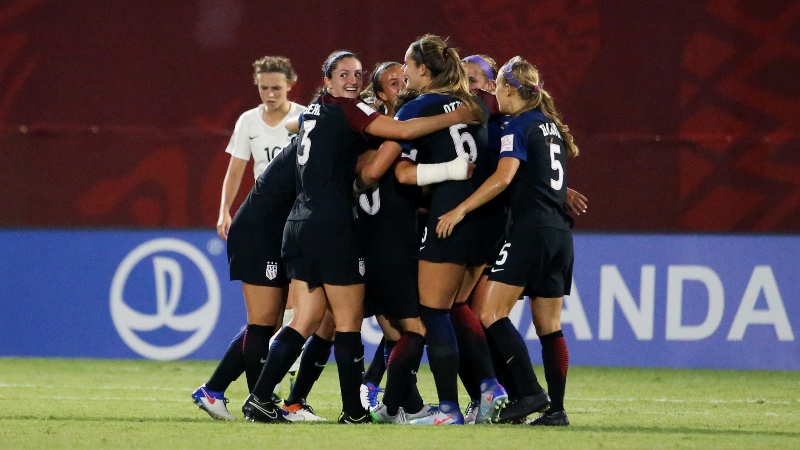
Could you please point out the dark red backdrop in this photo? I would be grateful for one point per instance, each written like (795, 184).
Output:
(117, 113)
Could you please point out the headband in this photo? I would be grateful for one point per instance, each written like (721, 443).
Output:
(512, 80)
(332, 60)
(477, 59)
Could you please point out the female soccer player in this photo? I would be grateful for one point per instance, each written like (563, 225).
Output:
(260, 133)
(434, 69)
(320, 244)
(537, 258)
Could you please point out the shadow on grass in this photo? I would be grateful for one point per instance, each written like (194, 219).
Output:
(108, 419)
(680, 430)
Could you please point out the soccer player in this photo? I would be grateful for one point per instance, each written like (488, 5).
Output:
(537, 258)
(320, 244)
(260, 133)
(433, 68)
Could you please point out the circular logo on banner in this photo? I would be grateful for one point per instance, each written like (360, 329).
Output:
(168, 278)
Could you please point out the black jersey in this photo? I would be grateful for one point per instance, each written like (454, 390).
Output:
(444, 146)
(331, 138)
(387, 222)
(279, 175)
(539, 188)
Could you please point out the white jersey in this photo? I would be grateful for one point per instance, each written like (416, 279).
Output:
(251, 136)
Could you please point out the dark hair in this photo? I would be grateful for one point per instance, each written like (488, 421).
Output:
(447, 73)
(274, 64)
(333, 60)
(370, 93)
(524, 77)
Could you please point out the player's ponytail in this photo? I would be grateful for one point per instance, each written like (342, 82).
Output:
(447, 73)
(524, 77)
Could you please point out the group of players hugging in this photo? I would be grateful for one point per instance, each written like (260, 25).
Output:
(434, 199)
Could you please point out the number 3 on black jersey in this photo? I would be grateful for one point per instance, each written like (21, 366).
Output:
(305, 144)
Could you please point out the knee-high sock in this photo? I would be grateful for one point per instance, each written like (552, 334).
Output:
(285, 349)
(230, 367)
(515, 353)
(500, 369)
(556, 362)
(402, 370)
(349, 353)
(312, 363)
(377, 367)
(442, 352)
(255, 348)
(474, 359)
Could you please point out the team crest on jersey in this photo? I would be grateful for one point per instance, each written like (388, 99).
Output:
(361, 266)
(507, 143)
(272, 270)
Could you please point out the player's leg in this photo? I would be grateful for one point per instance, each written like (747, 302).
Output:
(264, 305)
(347, 306)
(309, 312)
(546, 314)
(315, 356)
(496, 306)
(438, 285)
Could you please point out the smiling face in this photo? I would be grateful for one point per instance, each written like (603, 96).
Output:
(504, 93)
(417, 76)
(347, 79)
(273, 88)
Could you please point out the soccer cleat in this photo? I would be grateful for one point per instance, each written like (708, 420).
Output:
(301, 412)
(446, 414)
(472, 412)
(426, 410)
(347, 418)
(552, 419)
(493, 399)
(519, 408)
(380, 414)
(368, 393)
(214, 403)
(266, 412)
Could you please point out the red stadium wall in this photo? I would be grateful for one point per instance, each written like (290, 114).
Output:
(116, 114)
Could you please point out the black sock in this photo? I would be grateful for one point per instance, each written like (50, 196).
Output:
(475, 362)
(312, 363)
(442, 352)
(403, 366)
(285, 349)
(412, 402)
(515, 354)
(377, 367)
(500, 369)
(388, 346)
(349, 353)
(229, 368)
(255, 349)
(556, 362)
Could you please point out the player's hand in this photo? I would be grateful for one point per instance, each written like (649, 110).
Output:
(224, 224)
(467, 116)
(470, 169)
(576, 202)
(448, 221)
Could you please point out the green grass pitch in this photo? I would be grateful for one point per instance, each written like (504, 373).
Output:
(57, 403)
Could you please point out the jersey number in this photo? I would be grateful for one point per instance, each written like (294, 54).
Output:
(305, 144)
(503, 255)
(556, 165)
(370, 202)
(464, 142)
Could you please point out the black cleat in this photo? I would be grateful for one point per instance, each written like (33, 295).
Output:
(551, 419)
(364, 417)
(519, 408)
(266, 412)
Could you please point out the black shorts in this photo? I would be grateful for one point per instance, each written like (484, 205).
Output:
(392, 291)
(319, 252)
(491, 237)
(540, 259)
(461, 247)
(255, 237)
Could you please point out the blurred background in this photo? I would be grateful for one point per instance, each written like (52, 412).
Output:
(116, 114)
(114, 117)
